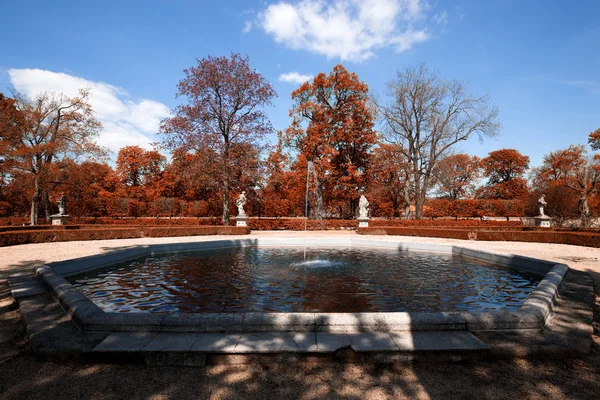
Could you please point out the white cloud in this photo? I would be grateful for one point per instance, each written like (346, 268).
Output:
(294, 77)
(589, 86)
(441, 19)
(346, 29)
(247, 26)
(125, 122)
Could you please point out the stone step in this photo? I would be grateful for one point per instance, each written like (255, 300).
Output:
(290, 342)
(25, 286)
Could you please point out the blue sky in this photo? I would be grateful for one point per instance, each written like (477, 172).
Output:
(539, 61)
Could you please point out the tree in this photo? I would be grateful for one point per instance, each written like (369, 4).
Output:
(594, 139)
(505, 170)
(332, 126)
(426, 116)
(389, 188)
(224, 101)
(572, 168)
(282, 193)
(140, 171)
(89, 186)
(50, 127)
(456, 175)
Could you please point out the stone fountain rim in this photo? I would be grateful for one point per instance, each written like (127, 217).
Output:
(532, 315)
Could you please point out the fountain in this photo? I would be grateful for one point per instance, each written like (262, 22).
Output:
(310, 171)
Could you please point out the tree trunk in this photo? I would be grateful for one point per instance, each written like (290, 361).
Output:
(226, 202)
(35, 204)
(419, 202)
(46, 206)
(226, 185)
(585, 211)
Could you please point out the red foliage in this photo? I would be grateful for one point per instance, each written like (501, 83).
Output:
(298, 224)
(223, 116)
(66, 235)
(455, 176)
(505, 170)
(589, 239)
(333, 127)
(443, 223)
(145, 221)
(473, 208)
(171, 231)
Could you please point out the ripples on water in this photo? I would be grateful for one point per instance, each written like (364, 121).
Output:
(331, 280)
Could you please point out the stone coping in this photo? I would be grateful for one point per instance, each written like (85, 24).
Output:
(532, 315)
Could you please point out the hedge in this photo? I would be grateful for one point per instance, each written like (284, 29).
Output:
(67, 233)
(195, 231)
(588, 239)
(443, 222)
(146, 221)
(473, 208)
(297, 224)
(64, 235)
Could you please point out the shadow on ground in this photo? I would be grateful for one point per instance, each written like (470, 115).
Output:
(22, 377)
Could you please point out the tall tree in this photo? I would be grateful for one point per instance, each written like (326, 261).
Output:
(332, 126)
(225, 97)
(51, 127)
(427, 115)
(456, 176)
(505, 170)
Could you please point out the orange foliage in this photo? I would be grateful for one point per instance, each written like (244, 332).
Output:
(505, 170)
(223, 116)
(456, 175)
(333, 127)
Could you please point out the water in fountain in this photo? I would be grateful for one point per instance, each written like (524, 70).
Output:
(311, 172)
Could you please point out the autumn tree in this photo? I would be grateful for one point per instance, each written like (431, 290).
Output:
(89, 186)
(427, 115)
(140, 170)
(594, 139)
(332, 126)
(456, 176)
(281, 193)
(574, 169)
(505, 170)
(225, 97)
(51, 127)
(389, 182)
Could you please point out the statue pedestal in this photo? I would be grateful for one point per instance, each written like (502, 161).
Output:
(363, 222)
(544, 221)
(241, 220)
(59, 219)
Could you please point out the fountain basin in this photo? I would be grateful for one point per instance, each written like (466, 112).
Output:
(533, 314)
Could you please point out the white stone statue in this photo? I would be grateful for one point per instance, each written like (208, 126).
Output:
(541, 204)
(240, 203)
(62, 205)
(363, 207)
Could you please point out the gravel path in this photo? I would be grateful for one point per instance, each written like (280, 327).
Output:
(22, 377)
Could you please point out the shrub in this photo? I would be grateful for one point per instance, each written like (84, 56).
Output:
(473, 208)
(195, 231)
(65, 235)
(586, 238)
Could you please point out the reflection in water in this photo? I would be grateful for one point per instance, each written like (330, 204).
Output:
(278, 280)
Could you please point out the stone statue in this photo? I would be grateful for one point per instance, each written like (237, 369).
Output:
(240, 203)
(363, 207)
(541, 204)
(62, 204)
